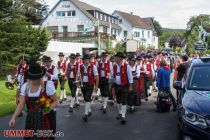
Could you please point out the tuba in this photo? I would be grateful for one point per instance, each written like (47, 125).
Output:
(11, 82)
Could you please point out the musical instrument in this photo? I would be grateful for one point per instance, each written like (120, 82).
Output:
(11, 82)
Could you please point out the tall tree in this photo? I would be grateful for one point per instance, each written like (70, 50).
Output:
(158, 28)
(17, 36)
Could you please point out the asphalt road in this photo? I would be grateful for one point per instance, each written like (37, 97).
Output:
(145, 124)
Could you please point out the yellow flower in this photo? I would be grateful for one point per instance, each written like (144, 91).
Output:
(47, 104)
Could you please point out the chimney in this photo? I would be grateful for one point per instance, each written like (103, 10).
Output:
(131, 13)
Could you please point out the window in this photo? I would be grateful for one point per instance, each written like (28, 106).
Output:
(142, 34)
(137, 34)
(112, 20)
(125, 33)
(105, 17)
(109, 19)
(101, 17)
(120, 21)
(69, 13)
(148, 34)
(80, 28)
(65, 29)
(96, 15)
(63, 14)
(58, 14)
(73, 13)
(104, 29)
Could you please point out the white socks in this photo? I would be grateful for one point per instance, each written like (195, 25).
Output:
(123, 111)
(119, 107)
(87, 108)
(77, 93)
(72, 101)
(105, 100)
(98, 92)
(61, 95)
(64, 92)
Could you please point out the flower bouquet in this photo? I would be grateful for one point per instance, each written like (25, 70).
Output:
(44, 104)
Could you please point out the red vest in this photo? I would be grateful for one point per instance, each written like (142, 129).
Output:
(75, 68)
(106, 68)
(90, 74)
(51, 70)
(123, 74)
(79, 61)
(21, 69)
(62, 66)
(149, 68)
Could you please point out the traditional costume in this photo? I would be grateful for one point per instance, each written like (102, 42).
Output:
(61, 65)
(88, 74)
(123, 78)
(37, 120)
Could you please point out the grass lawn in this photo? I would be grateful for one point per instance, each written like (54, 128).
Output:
(7, 98)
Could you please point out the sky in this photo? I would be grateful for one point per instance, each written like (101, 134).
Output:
(169, 13)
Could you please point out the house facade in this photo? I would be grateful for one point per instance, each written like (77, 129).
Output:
(73, 18)
(136, 28)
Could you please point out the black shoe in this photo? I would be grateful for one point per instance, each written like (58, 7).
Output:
(123, 121)
(119, 117)
(101, 109)
(64, 99)
(20, 115)
(149, 94)
(70, 109)
(132, 110)
(60, 101)
(85, 118)
(76, 105)
(104, 110)
(89, 114)
(174, 109)
(146, 99)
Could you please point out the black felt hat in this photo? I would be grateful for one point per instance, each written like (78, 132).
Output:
(46, 59)
(78, 54)
(120, 54)
(86, 56)
(35, 71)
(61, 54)
(72, 55)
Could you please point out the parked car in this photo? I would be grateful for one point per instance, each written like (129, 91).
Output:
(194, 101)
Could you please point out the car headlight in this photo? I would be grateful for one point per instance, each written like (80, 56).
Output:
(195, 119)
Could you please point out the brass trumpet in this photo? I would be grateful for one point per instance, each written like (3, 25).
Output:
(11, 82)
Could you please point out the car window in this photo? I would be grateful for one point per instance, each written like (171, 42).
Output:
(200, 78)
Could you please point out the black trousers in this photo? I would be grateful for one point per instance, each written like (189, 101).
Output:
(62, 82)
(72, 87)
(121, 94)
(104, 87)
(87, 92)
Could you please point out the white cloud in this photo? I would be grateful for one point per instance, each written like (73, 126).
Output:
(170, 13)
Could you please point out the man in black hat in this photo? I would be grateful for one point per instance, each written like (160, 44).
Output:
(88, 73)
(71, 73)
(123, 84)
(61, 65)
(104, 70)
(51, 71)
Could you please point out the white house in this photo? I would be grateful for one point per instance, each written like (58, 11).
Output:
(136, 28)
(73, 18)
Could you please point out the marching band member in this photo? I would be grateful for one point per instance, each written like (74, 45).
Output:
(132, 97)
(61, 66)
(104, 70)
(89, 75)
(21, 69)
(149, 72)
(78, 61)
(71, 73)
(123, 84)
(51, 71)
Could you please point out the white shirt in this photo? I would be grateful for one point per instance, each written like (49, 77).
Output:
(103, 72)
(54, 76)
(50, 90)
(118, 78)
(85, 77)
(137, 70)
(61, 70)
(71, 75)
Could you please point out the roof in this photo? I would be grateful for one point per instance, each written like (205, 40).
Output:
(150, 22)
(134, 20)
(200, 62)
(84, 8)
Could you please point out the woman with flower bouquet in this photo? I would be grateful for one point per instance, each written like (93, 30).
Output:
(40, 99)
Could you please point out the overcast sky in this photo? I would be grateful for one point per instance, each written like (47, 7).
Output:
(170, 13)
